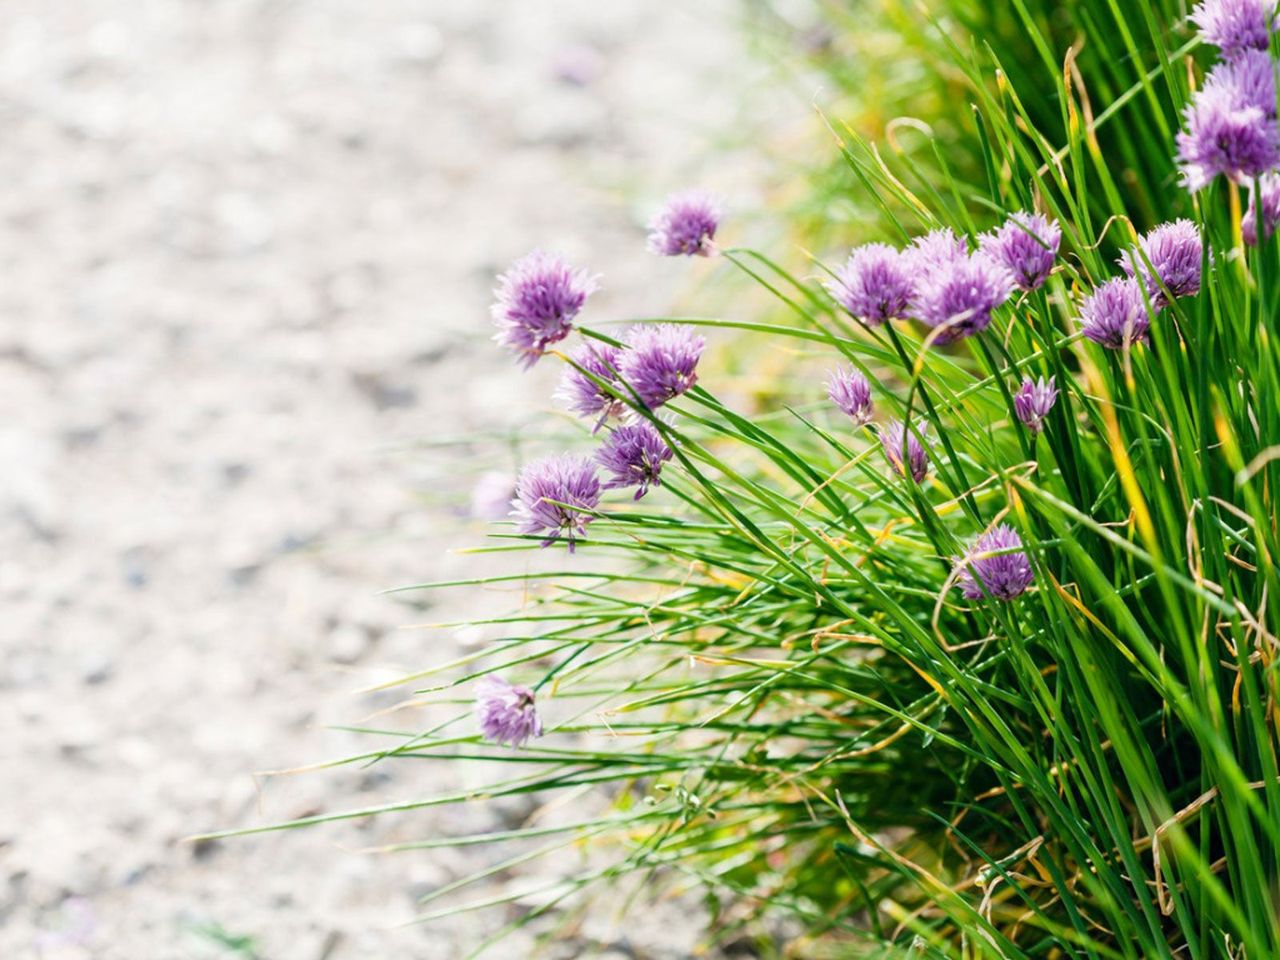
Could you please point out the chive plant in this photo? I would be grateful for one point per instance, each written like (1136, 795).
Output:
(970, 652)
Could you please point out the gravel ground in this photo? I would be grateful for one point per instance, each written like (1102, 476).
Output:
(246, 249)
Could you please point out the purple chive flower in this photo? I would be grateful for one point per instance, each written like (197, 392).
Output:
(1174, 251)
(1249, 79)
(1025, 245)
(957, 297)
(582, 395)
(850, 391)
(537, 300)
(1226, 135)
(1270, 184)
(660, 361)
(686, 225)
(633, 454)
(875, 285)
(934, 249)
(996, 566)
(1115, 315)
(553, 496)
(904, 451)
(507, 712)
(1235, 25)
(1033, 401)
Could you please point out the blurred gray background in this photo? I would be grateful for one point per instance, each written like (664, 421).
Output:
(246, 248)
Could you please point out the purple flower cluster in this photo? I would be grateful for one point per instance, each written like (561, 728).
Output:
(935, 249)
(940, 282)
(937, 280)
(1115, 314)
(1174, 252)
(1225, 137)
(850, 391)
(1033, 401)
(686, 225)
(875, 285)
(1235, 26)
(1231, 127)
(996, 566)
(656, 364)
(1249, 79)
(1166, 264)
(1026, 245)
(956, 298)
(633, 455)
(556, 496)
(507, 713)
(585, 396)
(904, 451)
(660, 361)
(536, 302)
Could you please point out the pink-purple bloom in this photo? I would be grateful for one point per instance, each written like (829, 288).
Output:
(555, 496)
(1115, 314)
(633, 455)
(585, 396)
(875, 284)
(935, 248)
(1249, 79)
(1235, 25)
(904, 450)
(850, 391)
(957, 296)
(686, 225)
(1226, 135)
(660, 362)
(996, 566)
(1034, 400)
(1026, 245)
(536, 302)
(1174, 251)
(508, 713)
(1270, 190)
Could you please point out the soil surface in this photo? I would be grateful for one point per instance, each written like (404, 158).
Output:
(247, 248)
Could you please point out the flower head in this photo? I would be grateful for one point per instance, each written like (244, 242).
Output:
(1270, 190)
(1226, 135)
(996, 566)
(661, 361)
(934, 249)
(1026, 245)
(686, 225)
(1235, 25)
(1174, 251)
(875, 285)
(507, 713)
(904, 451)
(633, 454)
(1115, 315)
(957, 297)
(1034, 400)
(554, 496)
(1248, 79)
(536, 302)
(850, 391)
(584, 396)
